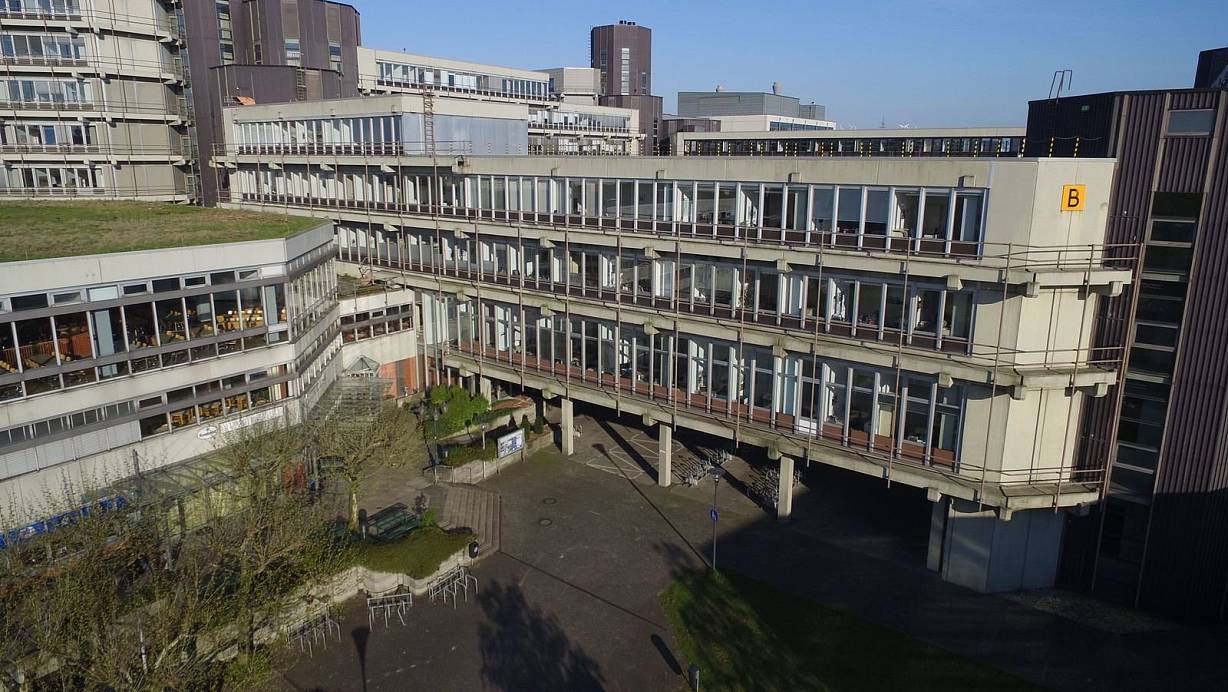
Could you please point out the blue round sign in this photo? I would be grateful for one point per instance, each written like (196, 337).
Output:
(712, 513)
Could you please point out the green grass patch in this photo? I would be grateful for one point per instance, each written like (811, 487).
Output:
(747, 635)
(419, 554)
(40, 230)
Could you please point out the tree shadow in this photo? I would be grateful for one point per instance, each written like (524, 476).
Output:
(524, 648)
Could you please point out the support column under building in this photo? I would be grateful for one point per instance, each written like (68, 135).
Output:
(486, 389)
(784, 494)
(665, 455)
(568, 440)
(994, 550)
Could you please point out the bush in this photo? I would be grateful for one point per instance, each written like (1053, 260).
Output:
(457, 409)
(460, 455)
(419, 554)
(525, 425)
(539, 424)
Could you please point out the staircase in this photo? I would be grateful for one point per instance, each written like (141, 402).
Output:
(475, 508)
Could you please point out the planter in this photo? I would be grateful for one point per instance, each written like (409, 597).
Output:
(478, 471)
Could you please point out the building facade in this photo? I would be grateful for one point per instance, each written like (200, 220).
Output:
(123, 98)
(120, 364)
(1159, 539)
(94, 100)
(996, 142)
(752, 111)
(880, 317)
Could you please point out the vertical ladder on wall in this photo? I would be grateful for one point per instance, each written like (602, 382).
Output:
(428, 121)
(300, 84)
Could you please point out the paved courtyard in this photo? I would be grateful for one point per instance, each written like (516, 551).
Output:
(570, 602)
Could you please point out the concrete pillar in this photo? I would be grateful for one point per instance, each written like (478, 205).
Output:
(485, 388)
(784, 495)
(568, 441)
(665, 455)
(992, 551)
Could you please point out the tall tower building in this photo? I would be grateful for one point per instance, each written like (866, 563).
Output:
(622, 53)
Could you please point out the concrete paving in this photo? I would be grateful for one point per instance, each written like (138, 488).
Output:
(588, 543)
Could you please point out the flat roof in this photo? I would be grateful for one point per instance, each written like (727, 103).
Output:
(43, 230)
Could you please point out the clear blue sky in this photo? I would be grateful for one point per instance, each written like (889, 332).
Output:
(928, 63)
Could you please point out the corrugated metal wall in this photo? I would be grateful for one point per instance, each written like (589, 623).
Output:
(1186, 567)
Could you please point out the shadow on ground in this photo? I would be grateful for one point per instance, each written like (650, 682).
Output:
(524, 648)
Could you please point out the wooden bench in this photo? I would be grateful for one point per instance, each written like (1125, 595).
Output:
(392, 525)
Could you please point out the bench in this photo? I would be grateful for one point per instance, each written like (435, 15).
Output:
(391, 525)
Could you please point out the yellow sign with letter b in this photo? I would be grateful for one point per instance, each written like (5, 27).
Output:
(1073, 197)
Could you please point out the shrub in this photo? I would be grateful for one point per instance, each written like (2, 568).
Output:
(539, 424)
(459, 455)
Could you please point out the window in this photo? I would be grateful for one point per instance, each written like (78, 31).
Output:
(1200, 122)
(294, 54)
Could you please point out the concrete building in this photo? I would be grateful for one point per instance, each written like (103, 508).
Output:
(580, 85)
(752, 111)
(553, 125)
(994, 142)
(673, 124)
(264, 51)
(94, 100)
(879, 316)
(622, 54)
(1159, 538)
(123, 98)
(121, 363)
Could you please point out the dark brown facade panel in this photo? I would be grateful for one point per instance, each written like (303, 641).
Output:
(1184, 168)
(1191, 100)
(1186, 568)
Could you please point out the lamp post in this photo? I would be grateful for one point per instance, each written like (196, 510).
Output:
(716, 472)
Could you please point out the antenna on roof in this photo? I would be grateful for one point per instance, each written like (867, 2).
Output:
(1062, 81)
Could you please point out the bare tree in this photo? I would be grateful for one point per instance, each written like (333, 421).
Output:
(358, 445)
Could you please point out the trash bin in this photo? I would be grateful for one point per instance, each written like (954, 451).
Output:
(473, 550)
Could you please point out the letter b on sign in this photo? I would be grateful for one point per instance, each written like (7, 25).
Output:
(1073, 197)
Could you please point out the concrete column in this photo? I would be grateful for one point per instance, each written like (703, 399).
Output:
(995, 551)
(485, 388)
(665, 455)
(568, 441)
(784, 495)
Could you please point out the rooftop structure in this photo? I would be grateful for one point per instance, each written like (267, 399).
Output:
(901, 142)
(753, 111)
(43, 230)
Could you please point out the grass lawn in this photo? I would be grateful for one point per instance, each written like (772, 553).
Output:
(39, 230)
(419, 554)
(747, 635)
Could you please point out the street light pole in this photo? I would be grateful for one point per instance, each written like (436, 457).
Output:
(716, 472)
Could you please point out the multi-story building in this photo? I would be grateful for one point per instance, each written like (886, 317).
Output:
(905, 142)
(1160, 537)
(119, 98)
(265, 51)
(753, 111)
(622, 54)
(553, 125)
(123, 362)
(94, 100)
(575, 84)
(925, 321)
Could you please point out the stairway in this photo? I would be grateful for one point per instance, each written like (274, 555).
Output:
(475, 508)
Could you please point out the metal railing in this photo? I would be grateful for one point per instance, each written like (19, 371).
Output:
(1006, 256)
(412, 148)
(445, 89)
(886, 451)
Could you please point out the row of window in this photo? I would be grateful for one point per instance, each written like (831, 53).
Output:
(226, 404)
(947, 214)
(862, 146)
(566, 145)
(46, 134)
(42, 46)
(35, 301)
(545, 117)
(63, 91)
(40, 342)
(404, 74)
(368, 325)
(925, 313)
(887, 410)
(54, 426)
(52, 178)
(320, 131)
(781, 126)
(46, 7)
(34, 385)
